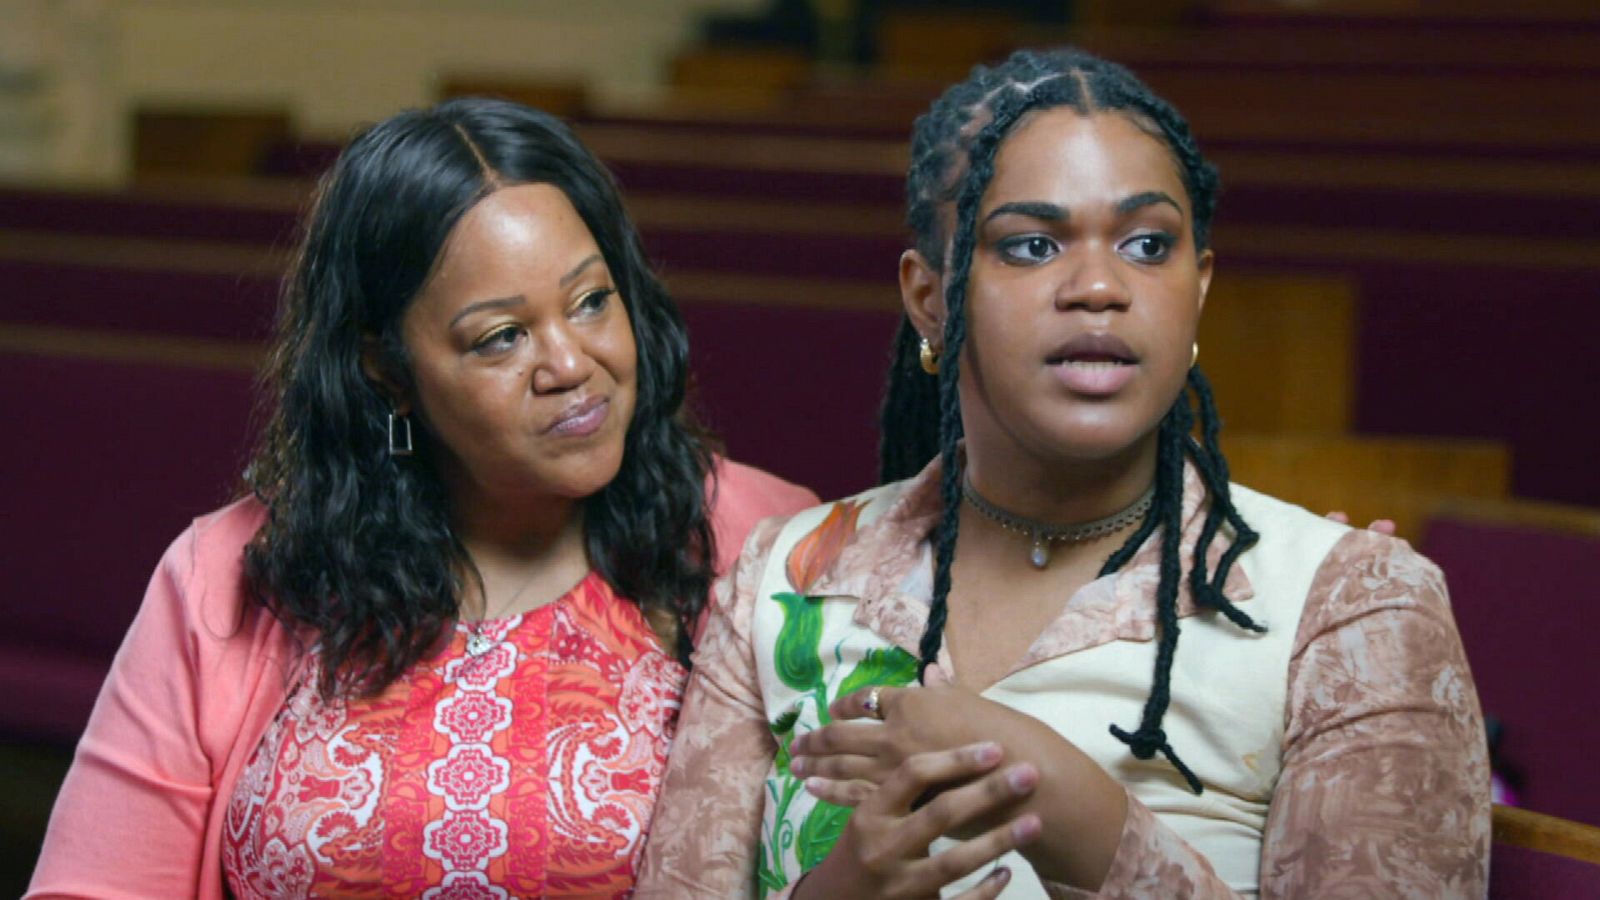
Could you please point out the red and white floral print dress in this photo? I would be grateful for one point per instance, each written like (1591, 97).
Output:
(529, 770)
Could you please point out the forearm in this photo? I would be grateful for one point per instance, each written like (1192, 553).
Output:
(1098, 839)
(1083, 811)
(1150, 860)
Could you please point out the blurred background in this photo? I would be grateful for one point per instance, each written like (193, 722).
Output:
(1403, 323)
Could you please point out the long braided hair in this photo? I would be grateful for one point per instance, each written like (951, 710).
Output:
(953, 155)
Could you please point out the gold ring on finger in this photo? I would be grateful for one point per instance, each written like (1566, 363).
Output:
(872, 705)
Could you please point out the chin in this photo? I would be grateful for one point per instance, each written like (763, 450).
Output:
(1097, 442)
(592, 479)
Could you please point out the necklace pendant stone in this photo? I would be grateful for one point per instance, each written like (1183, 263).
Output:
(478, 643)
(1040, 555)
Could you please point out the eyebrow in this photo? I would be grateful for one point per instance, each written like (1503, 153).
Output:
(1049, 212)
(1147, 198)
(481, 305)
(504, 302)
(1053, 212)
(578, 269)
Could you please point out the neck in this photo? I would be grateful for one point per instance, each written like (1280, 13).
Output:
(1053, 496)
(1062, 492)
(525, 554)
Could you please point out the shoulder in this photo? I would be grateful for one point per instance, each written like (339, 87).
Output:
(202, 573)
(1353, 566)
(220, 536)
(742, 487)
(1352, 578)
(852, 513)
(1285, 524)
(742, 496)
(819, 531)
(1367, 571)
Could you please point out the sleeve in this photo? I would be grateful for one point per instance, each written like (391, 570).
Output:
(1385, 782)
(1384, 789)
(1151, 861)
(131, 815)
(707, 824)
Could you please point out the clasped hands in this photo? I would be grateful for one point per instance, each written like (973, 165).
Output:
(943, 762)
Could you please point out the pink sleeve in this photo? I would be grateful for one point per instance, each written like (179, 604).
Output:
(131, 817)
(744, 496)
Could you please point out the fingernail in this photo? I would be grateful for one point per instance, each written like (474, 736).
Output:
(815, 785)
(986, 753)
(1000, 875)
(797, 765)
(1022, 778)
(1026, 829)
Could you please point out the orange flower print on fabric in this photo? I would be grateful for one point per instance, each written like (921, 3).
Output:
(820, 549)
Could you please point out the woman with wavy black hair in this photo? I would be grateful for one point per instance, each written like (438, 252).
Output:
(981, 659)
(439, 648)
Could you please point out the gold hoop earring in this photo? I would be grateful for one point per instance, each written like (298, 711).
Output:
(1194, 356)
(929, 358)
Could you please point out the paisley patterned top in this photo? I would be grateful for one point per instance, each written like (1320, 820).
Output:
(527, 771)
(1342, 753)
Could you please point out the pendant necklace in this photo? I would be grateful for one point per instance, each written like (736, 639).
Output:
(1043, 534)
(478, 640)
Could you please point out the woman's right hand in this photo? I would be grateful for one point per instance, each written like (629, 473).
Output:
(883, 851)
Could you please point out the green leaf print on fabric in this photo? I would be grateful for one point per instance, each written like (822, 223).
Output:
(800, 666)
(889, 666)
(795, 655)
(783, 732)
(819, 832)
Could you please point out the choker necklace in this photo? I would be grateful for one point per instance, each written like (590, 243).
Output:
(1044, 534)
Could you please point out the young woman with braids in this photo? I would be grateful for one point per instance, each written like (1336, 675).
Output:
(433, 653)
(1058, 530)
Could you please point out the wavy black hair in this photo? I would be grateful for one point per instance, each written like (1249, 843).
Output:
(953, 151)
(358, 555)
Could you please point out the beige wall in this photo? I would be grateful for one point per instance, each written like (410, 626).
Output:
(332, 63)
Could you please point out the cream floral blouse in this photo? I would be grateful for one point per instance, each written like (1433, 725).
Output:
(1366, 770)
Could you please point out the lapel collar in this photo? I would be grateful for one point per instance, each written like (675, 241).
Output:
(885, 563)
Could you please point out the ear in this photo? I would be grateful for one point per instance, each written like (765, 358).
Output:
(1207, 262)
(390, 383)
(922, 294)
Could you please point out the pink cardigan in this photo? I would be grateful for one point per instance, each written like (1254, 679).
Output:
(199, 677)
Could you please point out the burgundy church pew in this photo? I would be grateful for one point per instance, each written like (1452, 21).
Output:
(1524, 597)
(108, 461)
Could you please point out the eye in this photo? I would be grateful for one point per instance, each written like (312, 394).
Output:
(1151, 247)
(1028, 249)
(497, 341)
(593, 303)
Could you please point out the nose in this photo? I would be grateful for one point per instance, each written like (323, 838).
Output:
(563, 362)
(1093, 281)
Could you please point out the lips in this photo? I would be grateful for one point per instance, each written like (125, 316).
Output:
(1093, 348)
(581, 419)
(1094, 365)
